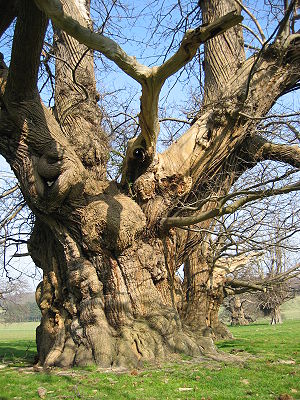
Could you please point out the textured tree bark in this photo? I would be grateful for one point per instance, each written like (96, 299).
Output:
(224, 55)
(106, 307)
(203, 297)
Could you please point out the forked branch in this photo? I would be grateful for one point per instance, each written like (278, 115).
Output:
(151, 79)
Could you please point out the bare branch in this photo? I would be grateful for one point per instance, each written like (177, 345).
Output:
(230, 209)
(261, 32)
(238, 283)
(15, 212)
(270, 116)
(182, 121)
(253, 33)
(8, 192)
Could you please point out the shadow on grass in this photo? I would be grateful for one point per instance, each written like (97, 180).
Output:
(230, 343)
(19, 350)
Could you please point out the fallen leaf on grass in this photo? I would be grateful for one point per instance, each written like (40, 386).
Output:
(285, 396)
(287, 362)
(134, 372)
(245, 381)
(112, 381)
(42, 392)
(294, 390)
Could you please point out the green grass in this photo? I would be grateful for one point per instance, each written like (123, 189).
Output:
(21, 330)
(273, 371)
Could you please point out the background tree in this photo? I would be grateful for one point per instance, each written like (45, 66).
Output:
(278, 276)
(232, 251)
(17, 303)
(260, 290)
(109, 250)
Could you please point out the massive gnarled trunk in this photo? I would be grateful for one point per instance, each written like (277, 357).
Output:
(109, 252)
(106, 307)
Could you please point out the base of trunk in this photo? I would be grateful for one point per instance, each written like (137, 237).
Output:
(108, 310)
(276, 316)
(158, 338)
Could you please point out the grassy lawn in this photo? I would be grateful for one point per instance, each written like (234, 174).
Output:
(273, 371)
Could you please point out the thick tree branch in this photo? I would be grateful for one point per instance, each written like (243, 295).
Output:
(238, 283)
(27, 46)
(8, 11)
(152, 79)
(264, 150)
(284, 27)
(192, 40)
(223, 55)
(223, 210)
(144, 146)
(96, 41)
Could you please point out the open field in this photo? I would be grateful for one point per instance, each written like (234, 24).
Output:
(291, 309)
(18, 330)
(275, 371)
